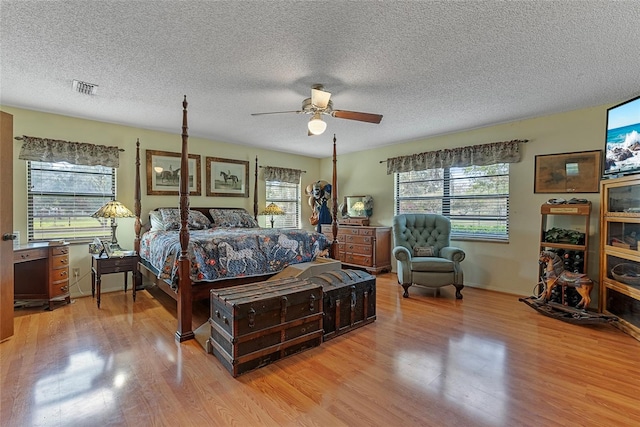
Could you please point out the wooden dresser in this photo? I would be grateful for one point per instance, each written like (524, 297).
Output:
(367, 247)
(41, 272)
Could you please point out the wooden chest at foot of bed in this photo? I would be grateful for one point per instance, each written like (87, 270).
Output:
(253, 325)
(349, 300)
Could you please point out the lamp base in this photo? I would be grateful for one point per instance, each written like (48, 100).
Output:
(272, 221)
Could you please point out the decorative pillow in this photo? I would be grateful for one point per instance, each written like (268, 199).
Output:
(232, 218)
(196, 221)
(424, 251)
(155, 219)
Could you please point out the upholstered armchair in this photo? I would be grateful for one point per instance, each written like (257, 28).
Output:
(425, 257)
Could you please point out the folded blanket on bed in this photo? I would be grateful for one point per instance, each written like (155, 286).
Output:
(224, 253)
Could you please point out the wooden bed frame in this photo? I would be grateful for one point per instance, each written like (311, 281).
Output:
(188, 290)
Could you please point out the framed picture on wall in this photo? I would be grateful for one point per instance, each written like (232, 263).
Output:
(568, 172)
(227, 177)
(163, 173)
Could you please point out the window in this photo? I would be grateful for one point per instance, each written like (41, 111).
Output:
(287, 196)
(61, 198)
(475, 198)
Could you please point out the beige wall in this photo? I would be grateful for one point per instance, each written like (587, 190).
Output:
(508, 267)
(26, 122)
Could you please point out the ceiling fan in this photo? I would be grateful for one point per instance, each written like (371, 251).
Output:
(320, 104)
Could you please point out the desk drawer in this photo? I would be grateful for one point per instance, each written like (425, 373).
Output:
(59, 288)
(58, 275)
(60, 261)
(30, 255)
(60, 250)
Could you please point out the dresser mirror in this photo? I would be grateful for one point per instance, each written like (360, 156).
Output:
(357, 206)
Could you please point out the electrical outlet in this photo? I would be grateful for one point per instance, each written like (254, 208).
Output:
(76, 272)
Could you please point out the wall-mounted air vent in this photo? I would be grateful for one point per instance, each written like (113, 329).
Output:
(84, 87)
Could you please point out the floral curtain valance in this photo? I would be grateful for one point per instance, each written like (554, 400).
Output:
(272, 173)
(475, 155)
(77, 153)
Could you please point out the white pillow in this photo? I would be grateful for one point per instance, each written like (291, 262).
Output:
(155, 218)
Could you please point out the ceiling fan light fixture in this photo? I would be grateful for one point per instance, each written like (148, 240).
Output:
(316, 125)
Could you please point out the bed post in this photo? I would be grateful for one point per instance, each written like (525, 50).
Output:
(137, 208)
(255, 192)
(334, 202)
(184, 299)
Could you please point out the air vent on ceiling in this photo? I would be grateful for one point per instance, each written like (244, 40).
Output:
(84, 87)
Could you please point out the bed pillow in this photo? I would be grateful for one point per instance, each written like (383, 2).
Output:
(232, 218)
(196, 221)
(425, 251)
(155, 219)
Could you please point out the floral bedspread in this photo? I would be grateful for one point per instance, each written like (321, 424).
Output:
(224, 253)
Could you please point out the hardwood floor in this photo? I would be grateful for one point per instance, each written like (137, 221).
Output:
(486, 360)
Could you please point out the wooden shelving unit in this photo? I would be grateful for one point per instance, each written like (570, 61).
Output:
(619, 249)
(583, 212)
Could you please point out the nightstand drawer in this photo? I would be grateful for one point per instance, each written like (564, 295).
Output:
(116, 265)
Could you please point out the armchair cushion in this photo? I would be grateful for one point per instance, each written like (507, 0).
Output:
(432, 264)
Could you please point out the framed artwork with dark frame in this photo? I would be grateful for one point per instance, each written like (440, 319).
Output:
(578, 172)
(227, 177)
(163, 173)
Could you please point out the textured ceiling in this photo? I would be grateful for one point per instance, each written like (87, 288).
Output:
(429, 67)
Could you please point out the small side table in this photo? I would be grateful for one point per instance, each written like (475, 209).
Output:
(103, 265)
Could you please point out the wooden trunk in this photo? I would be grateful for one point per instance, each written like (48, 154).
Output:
(253, 325)
(349, 300)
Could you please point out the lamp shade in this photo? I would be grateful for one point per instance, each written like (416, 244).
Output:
(113, 209)
(316, 125)
(272, 209)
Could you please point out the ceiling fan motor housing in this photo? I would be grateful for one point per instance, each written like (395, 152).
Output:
(309, 108)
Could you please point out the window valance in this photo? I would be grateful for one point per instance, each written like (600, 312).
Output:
(272, 173)
(77, 153)
(478, 155)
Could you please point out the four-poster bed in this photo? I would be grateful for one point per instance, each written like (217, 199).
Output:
(177, 281)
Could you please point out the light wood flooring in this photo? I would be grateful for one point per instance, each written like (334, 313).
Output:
(486, 360)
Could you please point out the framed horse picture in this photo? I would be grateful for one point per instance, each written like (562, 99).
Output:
(227, 177)
(163, 173)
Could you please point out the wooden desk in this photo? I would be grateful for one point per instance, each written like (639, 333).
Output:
(41, 272)
(103, 265)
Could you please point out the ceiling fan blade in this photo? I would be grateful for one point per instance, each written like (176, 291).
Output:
(277, 112)
(354, 115)
(320, 98)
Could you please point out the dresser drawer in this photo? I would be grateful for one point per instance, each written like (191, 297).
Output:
(358, 249)
(360, 240)
(60, 261)
(365, 261)
(30, 255)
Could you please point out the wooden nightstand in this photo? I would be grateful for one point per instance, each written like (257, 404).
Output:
(104, 265)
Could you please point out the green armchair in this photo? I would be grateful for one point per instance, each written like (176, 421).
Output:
(425, 257)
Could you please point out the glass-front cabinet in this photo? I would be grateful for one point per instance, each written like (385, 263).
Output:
(620, 254)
